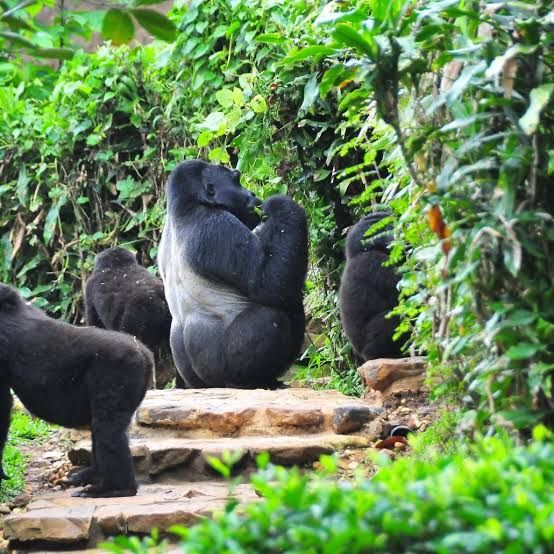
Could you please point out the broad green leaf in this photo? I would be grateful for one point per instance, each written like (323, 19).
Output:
(204, 138)
(215, 121)
(540, 97)
(225, 97)
(17, 39)
(350, 37)
(118, 27)
(522, 351)
(311, 92)
(314, 53)
(330, 78)
(52, 218)
(54, 53)
(137, 3)
(157, 24)
(258, 104)
(271, 38)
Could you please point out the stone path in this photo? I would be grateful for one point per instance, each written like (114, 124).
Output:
(173, 435)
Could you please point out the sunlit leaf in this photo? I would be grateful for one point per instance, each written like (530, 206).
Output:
(157, 24)
(118, 27)
(540, 97)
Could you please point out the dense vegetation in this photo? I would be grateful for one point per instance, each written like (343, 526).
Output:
(441, 110)
(495, 497)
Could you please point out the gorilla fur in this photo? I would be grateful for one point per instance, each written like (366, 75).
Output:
(74, 377)
(234, 285)
(121, 295)
(368, 292)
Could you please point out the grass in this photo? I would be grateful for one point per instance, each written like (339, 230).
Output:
(22, 430)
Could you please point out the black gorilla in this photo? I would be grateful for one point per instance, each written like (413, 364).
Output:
(74, 377)
(368, 292)
(121, 295)
(234, 285)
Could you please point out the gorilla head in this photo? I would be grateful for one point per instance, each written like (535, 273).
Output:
(197, 182)
(114, 257)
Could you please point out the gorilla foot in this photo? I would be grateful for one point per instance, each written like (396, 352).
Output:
(97, 491)
(81, 477)
(3, 476)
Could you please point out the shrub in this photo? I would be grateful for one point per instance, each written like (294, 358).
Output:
(493, 497)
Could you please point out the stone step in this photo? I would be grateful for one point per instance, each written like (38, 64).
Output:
(54, 520)
(156, 459)
(202, 413)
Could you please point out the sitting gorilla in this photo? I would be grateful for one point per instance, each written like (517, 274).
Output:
(74, 377)
(121, 295)
(234, 285)
(368, 292)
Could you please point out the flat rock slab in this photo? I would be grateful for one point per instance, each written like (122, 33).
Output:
(390, 376)
(153, 457)
(202, 413)
(65, 520)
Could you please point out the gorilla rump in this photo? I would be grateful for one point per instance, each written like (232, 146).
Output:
(368, 292)
(124, 296)
(234, 284)
(74, 377)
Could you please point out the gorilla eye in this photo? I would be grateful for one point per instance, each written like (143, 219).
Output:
(210, 189)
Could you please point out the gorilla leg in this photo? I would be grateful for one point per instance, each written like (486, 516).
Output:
(188, 377)
(203, 342)
(85, 475)
(260, 345)
(6, 402)
(379, 343)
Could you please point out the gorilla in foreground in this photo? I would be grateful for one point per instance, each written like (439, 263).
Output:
(368, 292)
(234, 283)
(121, 295)
(74, 377)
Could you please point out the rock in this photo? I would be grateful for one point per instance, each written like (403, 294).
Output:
(204, 413)
(391, 376)
(153, 457)
(4, 509)
(20, 501)
(63, 525)
(349, 419)
(55, 519)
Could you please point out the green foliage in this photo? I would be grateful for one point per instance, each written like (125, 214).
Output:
(22, 30)
(492, 497)
(466, 94)
(22, 430)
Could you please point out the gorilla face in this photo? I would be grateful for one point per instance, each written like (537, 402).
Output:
(213, 186)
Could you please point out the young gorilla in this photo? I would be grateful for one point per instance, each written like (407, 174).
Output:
(234, 289)
(74, 377)
(121, 295)
(368, 292)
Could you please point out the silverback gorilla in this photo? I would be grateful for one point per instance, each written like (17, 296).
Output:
(121, 295)
(74, 377)
(368, 292)
(234, 284)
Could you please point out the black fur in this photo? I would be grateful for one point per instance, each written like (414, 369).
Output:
(234, 287)
(121, 295)
(368, 292)
(74, 377)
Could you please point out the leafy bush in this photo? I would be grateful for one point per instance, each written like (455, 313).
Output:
(22, 429)
(467, 96)
(496, 497)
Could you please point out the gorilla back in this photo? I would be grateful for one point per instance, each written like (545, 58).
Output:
(74, 376)
(234, 284)
(368, 293)
(121, 295)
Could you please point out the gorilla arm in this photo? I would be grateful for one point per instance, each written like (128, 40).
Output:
(268, 266)
(6, 403)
